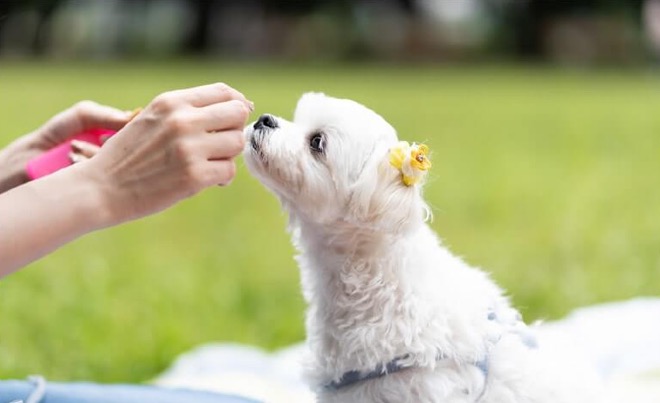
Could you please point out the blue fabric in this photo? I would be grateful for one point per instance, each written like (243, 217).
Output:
(57, 392)
(352, 377)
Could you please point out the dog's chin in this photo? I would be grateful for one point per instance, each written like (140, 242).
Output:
(256, 160)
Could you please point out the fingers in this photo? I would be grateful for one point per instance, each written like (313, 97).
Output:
(76, 158)
(92, 115)
(219, 172)
(209, 108)
(215, 146)
(221, 116)
(84, 148)
(203, 96)
(83, 116)
(82, 151)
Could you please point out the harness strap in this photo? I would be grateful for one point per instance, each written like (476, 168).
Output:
(352, 377)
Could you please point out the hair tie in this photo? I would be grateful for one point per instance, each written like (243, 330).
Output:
(411, 160)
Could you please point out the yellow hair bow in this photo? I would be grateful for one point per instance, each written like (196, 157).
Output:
(411, 160)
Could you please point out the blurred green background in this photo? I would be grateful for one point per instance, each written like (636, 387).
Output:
(546, 178)
(544, 175)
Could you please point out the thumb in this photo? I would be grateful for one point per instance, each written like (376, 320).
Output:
(83, 116)
(98, 116)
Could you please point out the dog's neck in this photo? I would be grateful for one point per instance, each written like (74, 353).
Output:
(366, 303)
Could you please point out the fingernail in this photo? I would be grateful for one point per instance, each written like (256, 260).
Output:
(74, 158)
(76, 146)
(250, 106)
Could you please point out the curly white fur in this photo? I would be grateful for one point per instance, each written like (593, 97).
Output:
(379, 284)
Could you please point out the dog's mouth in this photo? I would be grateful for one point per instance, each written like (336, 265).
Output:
(256, 139)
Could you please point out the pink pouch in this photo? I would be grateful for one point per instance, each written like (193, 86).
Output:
(58, 157)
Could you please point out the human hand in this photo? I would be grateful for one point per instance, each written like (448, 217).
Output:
(78, 118)
(181, 143)
(83, 150)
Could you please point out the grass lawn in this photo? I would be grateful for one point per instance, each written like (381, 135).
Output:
(547, 179)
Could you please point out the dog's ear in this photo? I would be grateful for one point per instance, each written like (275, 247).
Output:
(388, 193)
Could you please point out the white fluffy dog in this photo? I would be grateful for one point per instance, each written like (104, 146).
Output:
(393, 316)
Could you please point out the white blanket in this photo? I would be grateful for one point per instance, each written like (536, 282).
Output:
(621, 340)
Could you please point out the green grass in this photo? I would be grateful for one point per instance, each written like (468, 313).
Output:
(547, 179)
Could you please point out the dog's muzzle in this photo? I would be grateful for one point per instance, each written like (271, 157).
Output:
(260, 129)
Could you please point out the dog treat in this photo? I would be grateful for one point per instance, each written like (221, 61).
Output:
(58, 157)
(135, 112)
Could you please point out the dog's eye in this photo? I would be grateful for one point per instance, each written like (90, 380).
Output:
(317, 142)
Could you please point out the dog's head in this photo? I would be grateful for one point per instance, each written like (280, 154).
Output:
(332, 165)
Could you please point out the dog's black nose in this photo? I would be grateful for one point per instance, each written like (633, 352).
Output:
(265, 120)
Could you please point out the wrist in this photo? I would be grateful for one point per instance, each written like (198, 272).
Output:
(94, 199)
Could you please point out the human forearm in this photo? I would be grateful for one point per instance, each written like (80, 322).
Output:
(41, 216)
(11, 164)
(183, 142)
